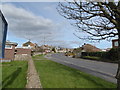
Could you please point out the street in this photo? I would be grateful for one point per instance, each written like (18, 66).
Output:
(103, 70)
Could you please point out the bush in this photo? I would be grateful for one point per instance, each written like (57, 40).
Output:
(111, 55)
(96, 54)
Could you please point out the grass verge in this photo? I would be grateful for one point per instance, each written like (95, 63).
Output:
(98, 59)
(38, 57)
(14, 74)
(55, 75)
(91, 58)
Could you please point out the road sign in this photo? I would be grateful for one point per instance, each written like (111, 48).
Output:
(3, 32)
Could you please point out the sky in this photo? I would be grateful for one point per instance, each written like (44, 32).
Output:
(42, 24)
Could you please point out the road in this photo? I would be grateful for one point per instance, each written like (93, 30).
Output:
(103, 70)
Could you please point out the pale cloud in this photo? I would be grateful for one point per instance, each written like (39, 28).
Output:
(48, 8)
(25, 24)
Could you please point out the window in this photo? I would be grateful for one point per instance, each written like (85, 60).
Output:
(8, 46)
(116, 43)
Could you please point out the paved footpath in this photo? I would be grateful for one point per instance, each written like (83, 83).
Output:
(33, 80)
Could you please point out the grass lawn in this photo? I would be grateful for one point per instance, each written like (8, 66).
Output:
(38, 57)
(55, 75)
(0, 76)
(98, 59)
(14, 74)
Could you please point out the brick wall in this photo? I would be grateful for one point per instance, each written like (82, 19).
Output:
(9, 53)
(23, 51)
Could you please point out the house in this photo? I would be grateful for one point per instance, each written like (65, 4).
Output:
(77, 52)
(115, 43)
(9, 51)
(106, 50)
(45, 48)
(62, 50)
(12, 52)
(90, 48)
(30, 45)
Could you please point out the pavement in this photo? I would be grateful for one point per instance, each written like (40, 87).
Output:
(33, 80)
(103, 70)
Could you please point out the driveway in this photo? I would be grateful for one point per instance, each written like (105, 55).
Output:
(103, 70)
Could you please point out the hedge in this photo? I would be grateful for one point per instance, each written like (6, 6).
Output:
(111, 55)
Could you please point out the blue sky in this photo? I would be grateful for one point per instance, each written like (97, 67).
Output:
(41, 22)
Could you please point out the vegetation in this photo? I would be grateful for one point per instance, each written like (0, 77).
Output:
(14, 74)
(54, 50)
(0, 76)
(38, 57)
(99, 20)
(54, 75)
(96, 54)
(91, 57)
(111, 56)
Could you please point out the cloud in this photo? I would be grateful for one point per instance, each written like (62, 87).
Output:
(64, 43)
(25, 24)
(75, 42)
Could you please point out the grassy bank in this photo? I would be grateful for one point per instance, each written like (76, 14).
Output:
(14, 74)
(54, 75)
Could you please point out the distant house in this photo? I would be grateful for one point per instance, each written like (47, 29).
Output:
(29, 45)
(115, 43)
(90, 48)
(45, 48)
(9, 50)
(85, 48)
(106, 50)
(61, 49)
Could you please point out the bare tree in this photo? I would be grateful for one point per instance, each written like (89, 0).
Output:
(101, 20)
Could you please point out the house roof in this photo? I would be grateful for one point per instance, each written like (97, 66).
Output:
(11, 43)
(28, 43)
(115, 40)
(90, 48)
